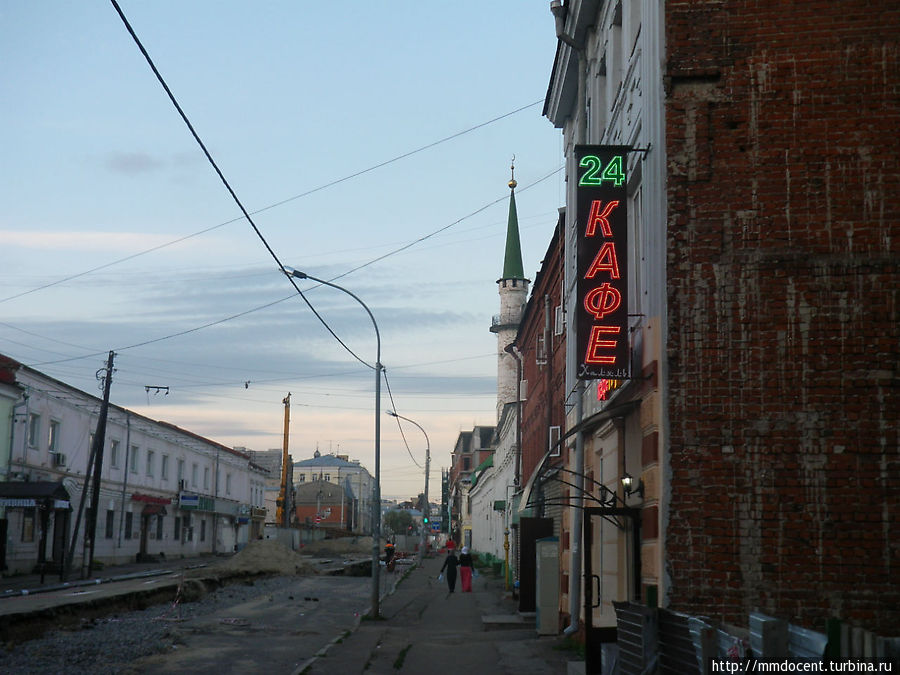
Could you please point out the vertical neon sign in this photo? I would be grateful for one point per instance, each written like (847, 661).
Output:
(601, 320)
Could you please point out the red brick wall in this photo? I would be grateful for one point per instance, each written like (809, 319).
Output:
(782, 127)
(546, 382)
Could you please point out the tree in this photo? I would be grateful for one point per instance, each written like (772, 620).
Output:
(398, 522)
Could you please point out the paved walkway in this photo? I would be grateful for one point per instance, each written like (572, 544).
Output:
(425, 629)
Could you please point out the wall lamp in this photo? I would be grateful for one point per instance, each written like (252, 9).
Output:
(629, 486)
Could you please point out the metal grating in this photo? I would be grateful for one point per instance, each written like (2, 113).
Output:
(636, 637)
(677, 655)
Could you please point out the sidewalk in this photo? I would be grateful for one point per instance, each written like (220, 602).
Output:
(13, 585)
(425, 629)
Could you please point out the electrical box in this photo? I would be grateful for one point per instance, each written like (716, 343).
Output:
(547, 586)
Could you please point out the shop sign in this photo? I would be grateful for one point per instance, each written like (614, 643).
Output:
(189, 501)
(601, 220)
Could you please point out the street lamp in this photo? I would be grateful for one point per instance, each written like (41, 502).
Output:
(427, 509)
(376, 508)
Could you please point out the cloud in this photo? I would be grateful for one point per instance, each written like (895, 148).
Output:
(132, 163)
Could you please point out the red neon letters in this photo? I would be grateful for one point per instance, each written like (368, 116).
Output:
(602, 241)
(601, 217)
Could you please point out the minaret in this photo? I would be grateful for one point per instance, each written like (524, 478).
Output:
(513, 288)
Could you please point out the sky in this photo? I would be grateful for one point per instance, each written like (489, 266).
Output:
(370, 142)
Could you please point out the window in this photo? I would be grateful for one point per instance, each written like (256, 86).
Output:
(553, 442)
(177, 536)
(159, 527)
(110, 518)
(227, 483)
(302, 478)
(195, 471)
(203, 530)
(34, 429)
(28, 525)
(188, 530)
(133, 462)
(206, 478)
(179, 471)
(114, 454)
(53, 437)
(150, 457)
(467, 463)
(164, 468)
(328, 477)
(129, 523)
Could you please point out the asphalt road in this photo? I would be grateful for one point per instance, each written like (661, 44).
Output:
(269, 633)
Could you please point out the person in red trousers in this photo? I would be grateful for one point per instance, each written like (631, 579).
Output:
(466, 569)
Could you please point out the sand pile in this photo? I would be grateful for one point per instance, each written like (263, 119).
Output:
(266, 556)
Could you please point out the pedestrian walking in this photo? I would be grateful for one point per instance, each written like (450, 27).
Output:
(450, 564)
(466, 570)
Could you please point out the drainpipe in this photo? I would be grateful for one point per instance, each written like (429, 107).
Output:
(517, 355)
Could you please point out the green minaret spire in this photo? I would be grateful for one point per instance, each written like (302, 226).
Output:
(512, 260)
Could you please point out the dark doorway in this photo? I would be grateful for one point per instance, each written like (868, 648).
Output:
(60, 537)
(531, 530)
(628, 520)
(4, 526)
(145, 532)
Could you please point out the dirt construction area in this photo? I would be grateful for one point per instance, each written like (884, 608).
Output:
(208, 619)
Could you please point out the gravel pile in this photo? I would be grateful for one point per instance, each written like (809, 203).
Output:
(110, 644)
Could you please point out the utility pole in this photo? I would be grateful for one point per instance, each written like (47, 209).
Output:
(282, 514)
(99, 442)
(93, 461)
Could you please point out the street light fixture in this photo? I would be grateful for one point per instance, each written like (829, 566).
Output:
(629, 486)
(426, 510)
(376, 508)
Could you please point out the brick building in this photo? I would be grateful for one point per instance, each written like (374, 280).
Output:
(760, 417)
(782, 346)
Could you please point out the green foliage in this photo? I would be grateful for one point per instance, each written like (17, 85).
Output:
(398, 522)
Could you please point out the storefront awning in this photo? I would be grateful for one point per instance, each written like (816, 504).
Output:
(28, 494)
(154, 510)
(150, 499)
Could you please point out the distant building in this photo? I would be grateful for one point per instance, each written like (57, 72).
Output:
(354, 479)
(471, 449)
(271, 461)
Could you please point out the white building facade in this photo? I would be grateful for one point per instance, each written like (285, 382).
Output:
(164, 491)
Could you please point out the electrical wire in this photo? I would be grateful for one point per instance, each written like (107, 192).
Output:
(399, 426)
(224, 180)
(335, 278)
(446, 227)
(282, 202)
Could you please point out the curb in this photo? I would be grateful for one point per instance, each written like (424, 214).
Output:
(299, 670)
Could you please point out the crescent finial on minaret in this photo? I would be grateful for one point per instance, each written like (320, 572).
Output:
(512, 174)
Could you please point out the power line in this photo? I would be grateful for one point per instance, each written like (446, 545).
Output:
(340, 276)
(399, 426)
(224, 180)
(282, 202)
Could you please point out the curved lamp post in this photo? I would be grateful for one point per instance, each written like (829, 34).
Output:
(376, 508)
(425, 511)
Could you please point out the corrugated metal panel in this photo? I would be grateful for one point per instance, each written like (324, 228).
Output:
(636, 637)
(730, 647)
(677, 655)
(768, 636)
(805, 644)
